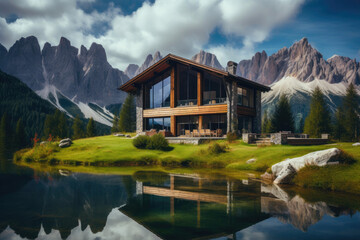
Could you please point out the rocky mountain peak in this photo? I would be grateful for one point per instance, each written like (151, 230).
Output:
(64, 42)
(3, 52)
(24, 62)
(302, 49)
(149, 61)
(47, 46)
(131, 69)
(157, 56)
(208, 59)
(97, 52)
(83, 50)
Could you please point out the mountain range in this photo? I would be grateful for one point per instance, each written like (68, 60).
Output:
(83, 82)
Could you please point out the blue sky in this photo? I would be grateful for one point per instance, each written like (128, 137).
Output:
(233, 30)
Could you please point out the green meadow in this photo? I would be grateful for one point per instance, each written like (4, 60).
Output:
(111, 152)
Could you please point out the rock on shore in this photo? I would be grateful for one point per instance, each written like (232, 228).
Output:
(284, 171)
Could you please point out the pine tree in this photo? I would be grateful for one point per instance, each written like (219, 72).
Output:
(338, 128)
(20, 136)
(115, 126)
(318, 120)
(62, 126)
(78, 128)
(265, 122)
(90, 128)
(127, 119)
(5, 138)
(56, 119)
(49, 125)
(351, 112)
(282, 119)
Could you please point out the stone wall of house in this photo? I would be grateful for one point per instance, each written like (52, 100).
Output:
(139, 110)
(231, 100)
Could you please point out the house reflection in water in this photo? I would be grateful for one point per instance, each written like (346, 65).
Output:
(188, 206)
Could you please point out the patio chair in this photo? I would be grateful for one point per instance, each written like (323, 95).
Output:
(207, 132)
(202, 132)
(196, 133)
(219, 132)
(187, 133)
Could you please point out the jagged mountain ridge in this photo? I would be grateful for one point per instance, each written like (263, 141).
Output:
(149, 61)
(86, 76)
(302, 61)
(202, 57)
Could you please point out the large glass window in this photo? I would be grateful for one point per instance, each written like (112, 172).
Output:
(215, 122)
(245, 124)
(245, 97)
(187, 86)
(157, 123)
(158, 94)
(214, 90)
(186, 123)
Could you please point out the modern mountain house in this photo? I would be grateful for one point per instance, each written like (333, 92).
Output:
(180, 97)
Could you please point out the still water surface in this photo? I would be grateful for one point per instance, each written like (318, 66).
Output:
(157, 205)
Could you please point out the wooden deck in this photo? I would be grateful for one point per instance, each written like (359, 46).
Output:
(192, 140)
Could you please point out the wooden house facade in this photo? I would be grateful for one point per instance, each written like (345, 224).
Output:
(181, 97)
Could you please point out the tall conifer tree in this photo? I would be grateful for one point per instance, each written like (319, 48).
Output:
(351, 110)
(318, 120)
(115, 126)
(282, 119)
(62, 126)
(49, 125)
(78, 128)
(90, 129)
(5, 138)
(127, 119)
(20, 136)
(338, 128)
(265, 122)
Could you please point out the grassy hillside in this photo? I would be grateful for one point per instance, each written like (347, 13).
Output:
(18, 100)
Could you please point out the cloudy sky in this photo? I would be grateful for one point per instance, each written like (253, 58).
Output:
(233, 30)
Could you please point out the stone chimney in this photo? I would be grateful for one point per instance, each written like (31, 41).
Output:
(231, 67)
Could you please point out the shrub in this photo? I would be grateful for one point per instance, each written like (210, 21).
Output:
(141, 141)
(231, 136)
(217, 148)
(158, 142)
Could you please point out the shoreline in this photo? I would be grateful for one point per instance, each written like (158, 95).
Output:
(115, 152)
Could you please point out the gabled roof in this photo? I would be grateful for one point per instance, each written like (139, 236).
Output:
(167, 61)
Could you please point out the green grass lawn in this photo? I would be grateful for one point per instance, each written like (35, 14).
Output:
(119, 151)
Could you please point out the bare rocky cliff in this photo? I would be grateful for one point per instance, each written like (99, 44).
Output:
(208, 59)
(85, 77)
(301, 61)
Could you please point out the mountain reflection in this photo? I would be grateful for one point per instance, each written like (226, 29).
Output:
(294, 209)
(60, 203)
(147, 205)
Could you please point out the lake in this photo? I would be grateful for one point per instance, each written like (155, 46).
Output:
(158, 205)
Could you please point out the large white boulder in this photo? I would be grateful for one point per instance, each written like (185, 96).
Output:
(66, 140)
(285, 170)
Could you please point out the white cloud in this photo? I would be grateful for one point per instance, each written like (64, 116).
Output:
(180, 27)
